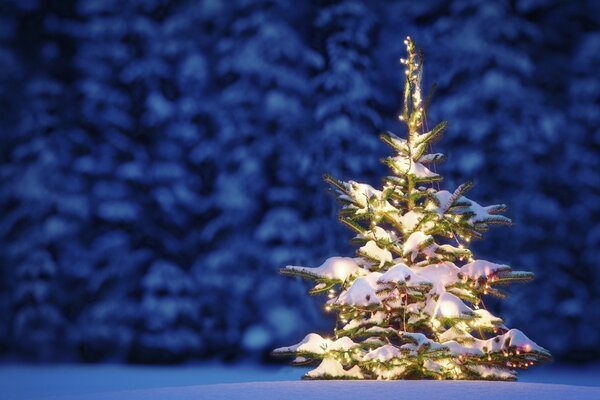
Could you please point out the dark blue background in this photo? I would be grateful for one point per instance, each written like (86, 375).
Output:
(160, 160)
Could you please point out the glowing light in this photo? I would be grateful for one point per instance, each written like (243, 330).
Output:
(449, 309)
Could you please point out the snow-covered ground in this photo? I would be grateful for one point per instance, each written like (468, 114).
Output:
(216, 381)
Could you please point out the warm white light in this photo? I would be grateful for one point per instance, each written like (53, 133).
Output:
(449, 309)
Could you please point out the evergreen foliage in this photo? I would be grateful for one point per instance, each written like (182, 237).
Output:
(405, 309)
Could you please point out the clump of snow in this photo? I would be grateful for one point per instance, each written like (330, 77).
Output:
(450, 306)
(514, 338)
(377, 233)
(428, 158)
(376, 319)
(444, 199)
(485, 319)
(411, 219)
(373, 251)
(383, 353)
(316, 344)
(399, 273)
(480, 214)
(362, 292)
(419, 242)
(482, 269)
(366, 198)
(336, 268)
(440, 275)
(493, 372)
(342, 344)
(407, 166)
(331, 368)
(419, 341)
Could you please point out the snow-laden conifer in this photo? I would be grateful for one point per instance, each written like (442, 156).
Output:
(410, 304)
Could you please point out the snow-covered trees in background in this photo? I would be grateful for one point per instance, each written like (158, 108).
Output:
(263, 64)
(347, 97)
(38, 322)
(169, 315)
(195, 133)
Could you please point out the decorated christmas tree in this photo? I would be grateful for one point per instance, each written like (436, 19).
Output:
(410, 304)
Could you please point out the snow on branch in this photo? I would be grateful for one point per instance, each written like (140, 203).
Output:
(336, 269)
(314, 344)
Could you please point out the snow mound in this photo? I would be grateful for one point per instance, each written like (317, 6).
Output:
(344, 390)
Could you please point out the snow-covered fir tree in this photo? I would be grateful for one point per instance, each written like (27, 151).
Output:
(410, 304)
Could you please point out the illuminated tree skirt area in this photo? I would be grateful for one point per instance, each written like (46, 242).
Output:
(217, 381)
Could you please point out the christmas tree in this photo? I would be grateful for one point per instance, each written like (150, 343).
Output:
(409, 305)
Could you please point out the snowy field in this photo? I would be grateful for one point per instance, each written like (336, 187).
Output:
(115, 382)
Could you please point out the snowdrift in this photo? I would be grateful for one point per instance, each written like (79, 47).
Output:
(346, 390)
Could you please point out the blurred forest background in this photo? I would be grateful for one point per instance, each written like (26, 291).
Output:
(160, 160)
